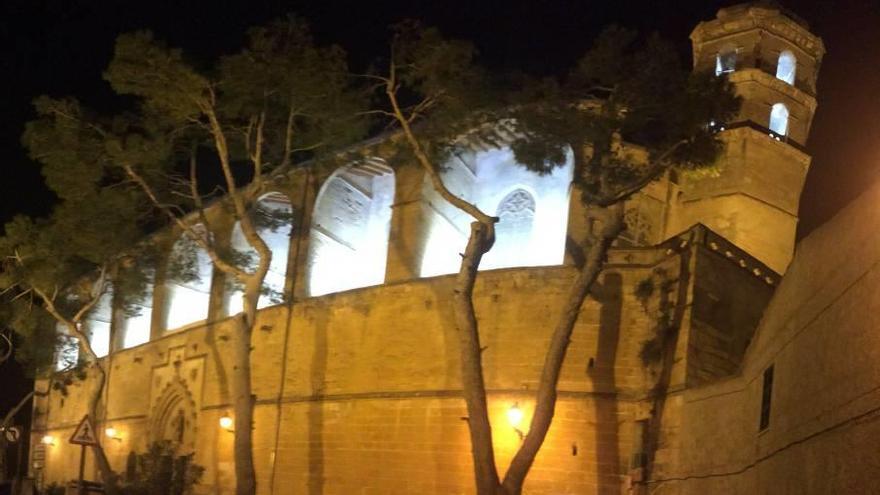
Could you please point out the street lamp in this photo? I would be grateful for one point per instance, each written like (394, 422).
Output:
(47, 440)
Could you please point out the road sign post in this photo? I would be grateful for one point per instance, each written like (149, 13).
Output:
(84, 436)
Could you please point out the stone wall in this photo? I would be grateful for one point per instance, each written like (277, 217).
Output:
(358, 392)
(819, 335)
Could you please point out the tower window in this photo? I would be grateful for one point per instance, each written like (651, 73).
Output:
(779, 119)
(725, 61)
(786, 67)
(766, 396)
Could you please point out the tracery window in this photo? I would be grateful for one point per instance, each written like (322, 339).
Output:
(532, 210)
(786, 67)
(779, 119)
(513, 232)
(188, 283)
(272, 217)
(348, 241)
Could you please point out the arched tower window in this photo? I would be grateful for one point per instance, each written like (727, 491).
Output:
(786, 67)
(779, 119)
(725, 61)
(272, 218)
(189, 282)
(532, 208)
(348, 242)
(97, 324)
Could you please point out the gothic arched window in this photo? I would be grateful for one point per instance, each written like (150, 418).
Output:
(779, 119)
(97, 324)
(725, 61)
(532, 210)
(348, 243)
(786, 67)
(513, 232)
(272, 218)
(138, 317)
(189, 282)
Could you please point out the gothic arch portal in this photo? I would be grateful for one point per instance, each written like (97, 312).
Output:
(174, 417)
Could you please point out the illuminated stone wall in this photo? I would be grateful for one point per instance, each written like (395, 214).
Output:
(360, 390)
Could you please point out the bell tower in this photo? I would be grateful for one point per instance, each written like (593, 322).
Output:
(772, 60)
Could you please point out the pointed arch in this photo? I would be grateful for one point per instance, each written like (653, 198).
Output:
(351, 222)
(779, 119)
(786, 67)
(272, 216)
(533, 209)
(188, 285)
(174, 417)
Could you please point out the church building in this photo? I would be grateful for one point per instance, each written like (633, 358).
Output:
(712, 358)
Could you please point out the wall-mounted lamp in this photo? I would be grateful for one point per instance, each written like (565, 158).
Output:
(112, 433)
(227, 423)
(47, 440)
(515, 416)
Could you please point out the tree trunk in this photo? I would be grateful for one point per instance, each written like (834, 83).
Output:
(242, 394)
(473, 385)
(545, 400)
(107, 474)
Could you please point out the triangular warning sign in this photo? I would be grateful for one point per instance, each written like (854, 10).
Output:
(84, 433)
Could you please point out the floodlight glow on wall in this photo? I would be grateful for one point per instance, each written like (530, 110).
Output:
(47, 440)
(515, 416)
(227, 423)
(111, 432)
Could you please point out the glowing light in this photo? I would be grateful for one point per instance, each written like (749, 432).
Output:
(47, 440)
(226, 422)
(515, 415)
(110, 432)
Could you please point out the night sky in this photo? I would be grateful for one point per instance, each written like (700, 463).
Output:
(60, 48)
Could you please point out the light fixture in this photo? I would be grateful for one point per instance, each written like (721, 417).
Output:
(514, 417)
(47, 440)
(112, 433)
(226, 422)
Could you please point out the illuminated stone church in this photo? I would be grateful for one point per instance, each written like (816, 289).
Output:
(679, 379)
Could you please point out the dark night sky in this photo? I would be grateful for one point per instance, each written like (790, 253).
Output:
(61, 47)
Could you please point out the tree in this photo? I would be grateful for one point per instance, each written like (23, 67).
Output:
(56, 269)
(278, 100)
(622, 91)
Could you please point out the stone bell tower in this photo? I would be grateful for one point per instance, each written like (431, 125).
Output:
(772, 60)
